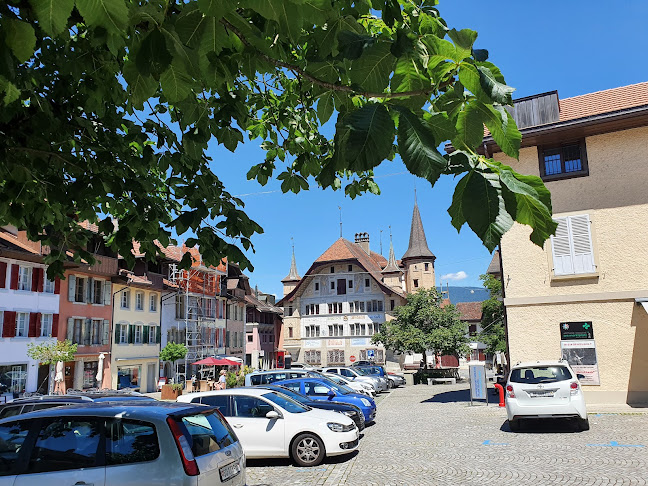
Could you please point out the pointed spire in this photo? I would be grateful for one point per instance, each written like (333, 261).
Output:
(392, 266)
(418, 247)
(293, 276)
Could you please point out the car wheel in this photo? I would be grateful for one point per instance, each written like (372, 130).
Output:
(583, 424)
(308, 450)
(392, 384)
(514, 425)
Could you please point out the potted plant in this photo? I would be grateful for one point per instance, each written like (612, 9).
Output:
(171, 392)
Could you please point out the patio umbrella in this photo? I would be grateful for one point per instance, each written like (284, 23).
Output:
(230, 362)
(213, 362)
(59, 372)
(100, 366)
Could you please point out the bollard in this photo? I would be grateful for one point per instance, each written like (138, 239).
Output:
(500, 388)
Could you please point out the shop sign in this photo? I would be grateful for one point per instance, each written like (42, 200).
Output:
(336, 342)
(359, 341)
(570, 331)
(581, 356)
(312, 343)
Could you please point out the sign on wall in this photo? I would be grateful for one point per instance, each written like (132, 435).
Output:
(359, 341)
(581, 356)
(336, 342)
(312, 343)
(570, 331)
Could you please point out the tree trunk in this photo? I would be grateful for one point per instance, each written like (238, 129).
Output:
(424, 361)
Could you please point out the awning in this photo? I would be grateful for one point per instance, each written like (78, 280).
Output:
(644, 302)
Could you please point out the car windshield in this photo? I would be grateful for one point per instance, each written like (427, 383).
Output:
(361, 371)
(298, 397)
(285, 402)
(336, 379)
(340, 389)
(540, 374)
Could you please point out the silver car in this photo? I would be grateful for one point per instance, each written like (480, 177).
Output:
(129, 443)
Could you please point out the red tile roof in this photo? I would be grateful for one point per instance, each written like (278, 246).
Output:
(470, 311)
(13, 240)
(605, 101)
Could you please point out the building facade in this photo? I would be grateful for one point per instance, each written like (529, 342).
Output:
(29, 313)
(347, 294)
(583, 296)
(263, 348)
(238, 286)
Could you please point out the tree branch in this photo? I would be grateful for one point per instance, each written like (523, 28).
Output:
(325, 84)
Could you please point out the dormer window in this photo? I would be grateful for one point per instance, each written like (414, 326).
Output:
(563, 161)
(332, 269)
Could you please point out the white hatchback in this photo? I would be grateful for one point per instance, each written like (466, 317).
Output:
(357, 386)
(544, 389)
(271, 424)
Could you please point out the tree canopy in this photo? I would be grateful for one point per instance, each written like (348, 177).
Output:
(53, 352)
(107, 108)
(173, 352)
(493, 332)
(422, 324)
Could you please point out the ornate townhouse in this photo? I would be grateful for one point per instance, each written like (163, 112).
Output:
(29, 313)
(264, 348)
(238, 286)
(331, 313)
(584, 295)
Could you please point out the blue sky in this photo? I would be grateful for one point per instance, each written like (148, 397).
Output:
(572, 46)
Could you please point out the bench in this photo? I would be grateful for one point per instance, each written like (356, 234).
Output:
(442, 381)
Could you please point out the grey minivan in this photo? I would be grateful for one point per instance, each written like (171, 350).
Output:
(130, 443)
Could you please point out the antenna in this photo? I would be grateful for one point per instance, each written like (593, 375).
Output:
(292, 242)
(340, 208)
(415, 198)
(381, 242)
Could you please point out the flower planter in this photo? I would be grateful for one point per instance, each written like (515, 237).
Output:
(170, 393)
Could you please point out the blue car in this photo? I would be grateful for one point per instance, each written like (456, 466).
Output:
(323, 389)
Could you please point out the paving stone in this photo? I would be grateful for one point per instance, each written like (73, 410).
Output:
(430, 435)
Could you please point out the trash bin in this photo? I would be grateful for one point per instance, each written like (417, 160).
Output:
(430, 381)
(409, 378)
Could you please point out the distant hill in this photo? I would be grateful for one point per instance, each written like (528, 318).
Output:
(465, 294)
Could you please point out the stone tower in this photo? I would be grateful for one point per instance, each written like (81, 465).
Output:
(418, 259)
(293, 278)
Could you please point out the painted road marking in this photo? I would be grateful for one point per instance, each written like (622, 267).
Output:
(488, 442)
(614, 443)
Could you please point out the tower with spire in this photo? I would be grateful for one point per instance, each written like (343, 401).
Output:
(392, 273)
(418, 260)
(293, 278)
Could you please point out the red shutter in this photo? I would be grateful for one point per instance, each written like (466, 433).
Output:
(3, 274)
(9, 326)
(32, 325)
(39, 324)
(41, 279)
(14, 277)
(34, 285)
(57, 285)
(55, 319)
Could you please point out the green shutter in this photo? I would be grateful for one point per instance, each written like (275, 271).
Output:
(158, 335)
(117, 331)
(131, 334)
(145, 335)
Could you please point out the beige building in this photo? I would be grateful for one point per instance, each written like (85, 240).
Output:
(584, 295)
(348, 292)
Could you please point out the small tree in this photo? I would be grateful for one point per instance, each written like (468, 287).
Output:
(422, 324)
(493, 332)
(50, 354)
(172, 352)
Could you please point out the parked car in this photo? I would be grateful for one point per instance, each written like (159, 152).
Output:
(270, 376)
(355, 375)
(270, 424)
(362, 362)
(544, 389)
(42, 402)
(376, 371)
(147, 441)
(323, 389)
(299, 366)
(395, 380)
(358, 386)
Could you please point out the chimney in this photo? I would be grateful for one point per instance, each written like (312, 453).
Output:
(362, 239)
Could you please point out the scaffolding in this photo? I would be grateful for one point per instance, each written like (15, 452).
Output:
(198, 289)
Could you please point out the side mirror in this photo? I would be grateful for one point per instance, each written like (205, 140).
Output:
(273, 415)
(331, 393)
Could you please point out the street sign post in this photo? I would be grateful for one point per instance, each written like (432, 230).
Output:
(478, 388)
(352, 359)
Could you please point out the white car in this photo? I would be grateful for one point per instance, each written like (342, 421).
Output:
(356, 375)
(544, 389)
(270, 424)
(359, 386)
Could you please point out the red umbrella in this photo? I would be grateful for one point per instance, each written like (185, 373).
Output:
(231, 362)
(214, 362)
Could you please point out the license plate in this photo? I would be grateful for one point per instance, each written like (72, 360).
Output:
(229, 471)
(541, 394)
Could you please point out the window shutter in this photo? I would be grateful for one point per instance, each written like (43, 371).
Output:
(87, 332)
(561, 249)
(107, 297)
(131, 334)
(14, 277)
(34, 283)
(3, 274)
(71, 287)
(41, 279)
(57, 285)
(31, 331)
(39, 324)
(55, 320)
(106, 332)
(88, 289)
(158, 335)
(583, 254)
(145, 335)
(117, 333)
(70, 329)
(9, 326)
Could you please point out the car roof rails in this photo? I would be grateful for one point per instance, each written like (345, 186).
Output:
(101, 392)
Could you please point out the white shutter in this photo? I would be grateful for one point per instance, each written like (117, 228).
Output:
(107, 297)
(106, 332)
(71, 287)
(70, 329)
(583, 252)
(561, 249)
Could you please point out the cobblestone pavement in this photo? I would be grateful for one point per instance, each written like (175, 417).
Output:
(428, 435)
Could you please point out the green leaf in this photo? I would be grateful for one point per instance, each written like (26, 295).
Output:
(190, 26)
(112, 15)
(153, 57)
(286, 14)
(176, 83)
(141, 87)
(20, 38)
(480, 54)
(418, 148)
(353, 44)
(370, 137)
(441, 125)
(470, 129)
(391, 12)
(463, 40)
(52, 15)
(213, 37)
(325, 107)
(502, 127)
(216, 8)
(469, 77)
(408, 77)
(498, 92)
(440, 50)
(11, 93)
(371, 72)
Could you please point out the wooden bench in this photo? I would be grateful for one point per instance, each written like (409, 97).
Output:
(443, 381)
